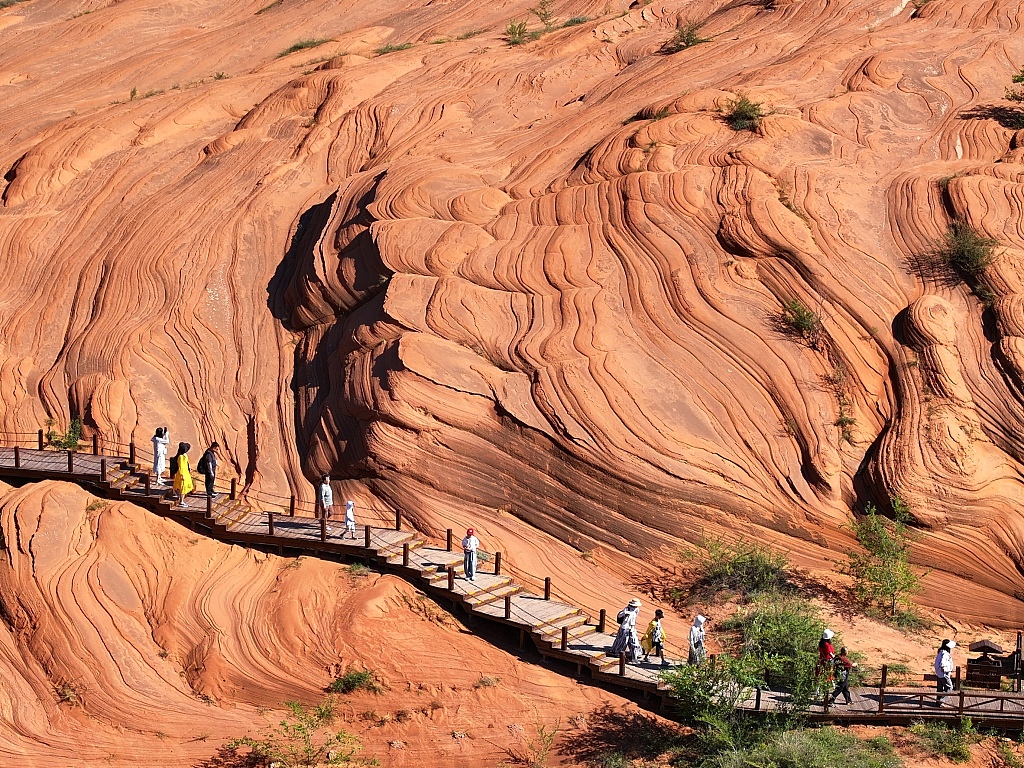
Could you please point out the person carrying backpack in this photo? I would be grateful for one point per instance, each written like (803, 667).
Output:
(207, 466)
(841, 666)
(654, 638)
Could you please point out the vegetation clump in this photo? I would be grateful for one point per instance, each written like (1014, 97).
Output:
(742, 567)
(882, 574)
(303, 45)
(355, 680)
(391, 48)
(742, 114)
(825, 747)
(575, 21)
(800, 320)
(967, 251)
(303, 738)
(516, 33)
(940, 741)
(686, 36)
(545, 14)
(69, 440)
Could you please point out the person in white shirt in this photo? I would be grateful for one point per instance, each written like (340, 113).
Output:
(350, 518)
(326, 496)
(160, 441)
(943, 669)
(470, 544)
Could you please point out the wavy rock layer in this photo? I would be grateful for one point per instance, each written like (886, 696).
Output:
(127, 640)
(540, 281)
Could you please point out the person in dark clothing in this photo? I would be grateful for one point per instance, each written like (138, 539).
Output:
(208, 466)
(842, 666)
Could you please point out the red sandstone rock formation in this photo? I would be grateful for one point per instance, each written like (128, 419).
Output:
(464, 277)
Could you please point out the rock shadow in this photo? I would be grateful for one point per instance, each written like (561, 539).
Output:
(1008, 117)
(629, 734)
(230, 757)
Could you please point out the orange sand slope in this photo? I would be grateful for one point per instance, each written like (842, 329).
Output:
(461, 277)
(170, 643)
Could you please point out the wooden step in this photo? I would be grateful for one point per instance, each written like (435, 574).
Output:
(492, 595)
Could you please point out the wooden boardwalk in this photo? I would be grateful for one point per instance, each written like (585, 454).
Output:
(557, 629)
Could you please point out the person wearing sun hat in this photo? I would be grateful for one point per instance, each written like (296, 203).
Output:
(826, 652)
(944, 669)
(626, 640)
(697, 652)
(470, 544)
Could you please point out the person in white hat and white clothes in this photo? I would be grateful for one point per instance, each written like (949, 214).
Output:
(350, 518)
(944, 669)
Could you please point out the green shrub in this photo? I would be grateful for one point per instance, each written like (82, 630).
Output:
(686, 36)
(708, 692)
(69, 440)
(882, 574)
(303, 738)
(389, 48)
(741, 566)
(303, 45)
(812, 748)
(780, 634)
(469, 34)
(743, 114)
(9, 3)
(544, 12)
(355, 680)
(1019, 77)
(800, 320)
(515, 33)
(266, 8)
(952, 743)
(966, 251)
(486, 681)
(575, 21)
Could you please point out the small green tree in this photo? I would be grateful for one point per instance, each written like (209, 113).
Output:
(303, 738)
(545, 13)
(882, 573)
(516, 33)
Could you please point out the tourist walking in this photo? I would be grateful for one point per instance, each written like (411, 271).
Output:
(350, 518)
(160, 441)
(944, 670)
(697, 650)
(470, 544)
(823, 669)
(182, 474)
(207, 466)
(842, 666)
(626, 640)
(325, 496)
(654, 638)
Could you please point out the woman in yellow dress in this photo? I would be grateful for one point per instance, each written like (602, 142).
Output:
(183, 485)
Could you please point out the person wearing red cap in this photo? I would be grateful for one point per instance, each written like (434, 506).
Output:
(469, 546)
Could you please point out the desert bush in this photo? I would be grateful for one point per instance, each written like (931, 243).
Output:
(355, 680)
(575, 21)
(536, 751)
(469, 34)
(800, 320)
(742, 114)
(686, 36)
(391, 48)
(303, 738)
(740, 566)
(812, 748)
(486, 681)
(303, 45)
(544, 12)
(882, 574)
(70, 439)
(516, 33)
(966, 251)
(938, 740)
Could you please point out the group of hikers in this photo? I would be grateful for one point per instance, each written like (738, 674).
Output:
(637, 649)
(180, 469)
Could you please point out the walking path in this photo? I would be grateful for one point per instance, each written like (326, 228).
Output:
(557, 629)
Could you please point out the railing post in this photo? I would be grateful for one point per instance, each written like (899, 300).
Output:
(234, 488)
(497, 563)
(131, 454)
(17, 457)
(565, 638)
(602, 619)
(622, 664)
(960, 707)
(323, 528)
(366, 536)
(398, 519)
(103, 469)
(757, 699)
(71, 462)
(547, 587)
(147, 481)
(881, 688)
(508, 606)
(40, 439)
(448, 546)
(451, 579)
(291, 507)
(209, 506)
(270, 522)
(405, 554)
(95, 444)
(956, 680)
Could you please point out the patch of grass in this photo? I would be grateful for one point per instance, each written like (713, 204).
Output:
(742, 114)
(797, 319)
(940, 741)
(686, 36)
(469, 34)
(1008, 756)
(536, 751)
(303, 45)
(70, 439)
(742, 567)
(391, 48)
(68, 692)
(9, 3)
(575, 21)
(303, 738)
(358, 570)
(486, 681)
(95, 505)
(966, 251)
(516, 33)
(154, 92)
(221, 76)
(356, 680)
(825, 747)
(266, 8)
(943, 183)
(440, 40)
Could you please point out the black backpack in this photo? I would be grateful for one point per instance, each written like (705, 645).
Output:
(202, 466)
